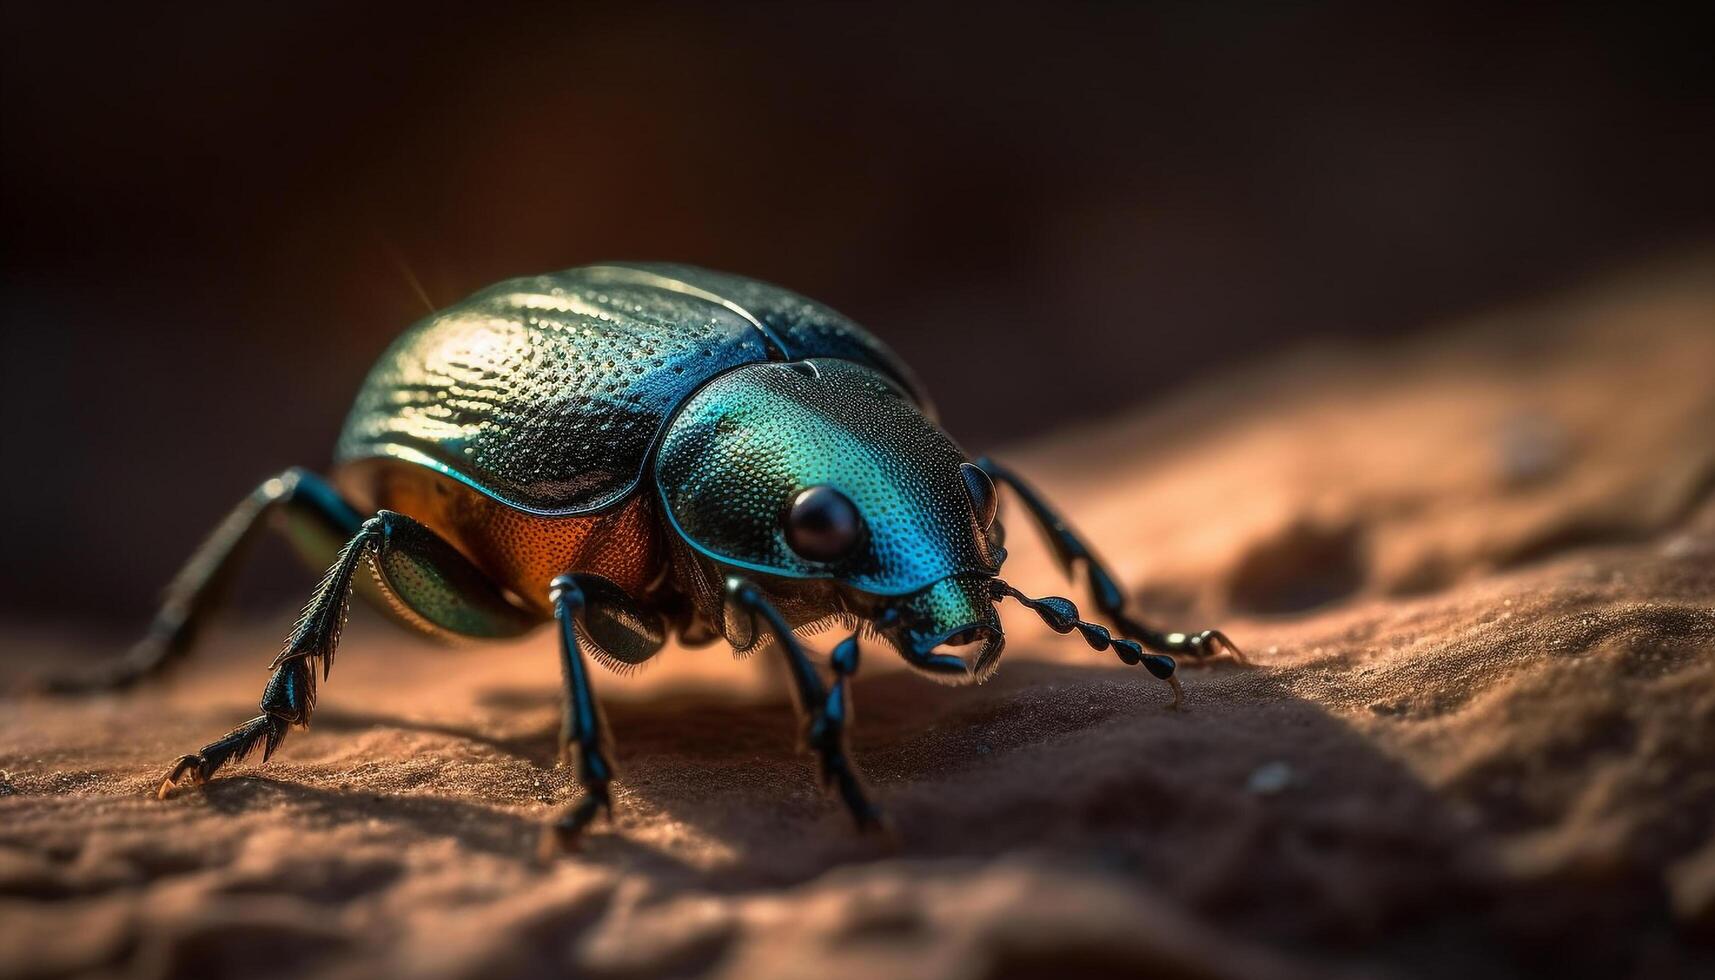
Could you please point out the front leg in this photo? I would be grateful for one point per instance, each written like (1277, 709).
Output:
(1070, 551)
(826, 710)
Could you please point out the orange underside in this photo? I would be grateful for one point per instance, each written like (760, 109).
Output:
(519, 550)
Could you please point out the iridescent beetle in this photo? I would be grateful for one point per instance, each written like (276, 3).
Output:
(633, 450)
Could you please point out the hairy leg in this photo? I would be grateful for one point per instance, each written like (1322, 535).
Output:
(425, 576)
(827, 710)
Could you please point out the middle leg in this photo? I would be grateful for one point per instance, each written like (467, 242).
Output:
(594, 612)
(582, 728)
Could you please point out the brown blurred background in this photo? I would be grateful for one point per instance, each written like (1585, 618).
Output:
(206, 211)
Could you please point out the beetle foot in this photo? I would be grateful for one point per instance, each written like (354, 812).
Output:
(871, 820)
(826, 737)
(839, 777)
(564, 834)
(1199, 647)
(264, 731)
(189, 770)
(1207, 644)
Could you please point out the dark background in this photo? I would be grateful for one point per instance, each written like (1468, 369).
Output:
(1053, 212)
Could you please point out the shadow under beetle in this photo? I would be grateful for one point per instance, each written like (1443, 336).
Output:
(637, 450)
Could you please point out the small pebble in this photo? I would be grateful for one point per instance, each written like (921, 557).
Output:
(1531, 448)
(1269, 778)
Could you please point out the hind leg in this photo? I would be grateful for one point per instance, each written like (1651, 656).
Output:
(314, 516)
(430, 583)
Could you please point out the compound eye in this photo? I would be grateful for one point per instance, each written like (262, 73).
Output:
(822, 524)
(984, 501)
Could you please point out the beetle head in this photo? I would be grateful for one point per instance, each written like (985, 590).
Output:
(820, 479)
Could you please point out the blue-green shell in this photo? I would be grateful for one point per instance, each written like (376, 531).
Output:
(549, 392)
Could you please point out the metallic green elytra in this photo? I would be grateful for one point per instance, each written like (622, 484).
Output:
(641, 452)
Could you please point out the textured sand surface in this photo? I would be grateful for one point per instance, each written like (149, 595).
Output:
(1476, 573)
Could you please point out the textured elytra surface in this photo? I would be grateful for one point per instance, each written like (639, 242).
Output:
(806, 328)
(742, 447)
(550, 390)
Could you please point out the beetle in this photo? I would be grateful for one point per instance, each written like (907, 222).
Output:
(638, 451)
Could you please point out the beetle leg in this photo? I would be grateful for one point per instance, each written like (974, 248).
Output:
(830, 740)
(429, 580)
(582, 727)
(1071, 551)
(317, 520)
(291, 692)
(827, 710)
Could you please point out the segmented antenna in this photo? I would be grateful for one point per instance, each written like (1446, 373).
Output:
(1061, 615)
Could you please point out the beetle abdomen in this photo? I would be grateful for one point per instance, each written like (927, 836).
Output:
(518, 550)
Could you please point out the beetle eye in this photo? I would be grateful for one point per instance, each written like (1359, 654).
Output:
(984, 501)
(823, 524)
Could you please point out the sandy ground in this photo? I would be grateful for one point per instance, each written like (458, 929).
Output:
(1476, 573)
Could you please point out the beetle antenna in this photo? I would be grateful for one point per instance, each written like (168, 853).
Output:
(1061, 615)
